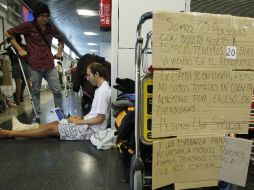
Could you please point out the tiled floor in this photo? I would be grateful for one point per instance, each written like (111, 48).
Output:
(51, 164)
(23, 107)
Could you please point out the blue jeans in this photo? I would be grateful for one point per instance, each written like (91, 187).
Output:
(51, 76)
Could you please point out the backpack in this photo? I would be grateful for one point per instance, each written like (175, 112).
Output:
(125, 125)
(125, 143)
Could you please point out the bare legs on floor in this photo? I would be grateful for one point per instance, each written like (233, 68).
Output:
(44, 130)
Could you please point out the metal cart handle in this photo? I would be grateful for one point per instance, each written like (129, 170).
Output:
(138, 49)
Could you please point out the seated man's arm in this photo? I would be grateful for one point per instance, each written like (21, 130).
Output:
(100, 118)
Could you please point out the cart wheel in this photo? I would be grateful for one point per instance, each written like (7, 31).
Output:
(138, 180)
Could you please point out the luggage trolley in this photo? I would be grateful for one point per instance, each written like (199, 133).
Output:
(144, 84)
(146, 95)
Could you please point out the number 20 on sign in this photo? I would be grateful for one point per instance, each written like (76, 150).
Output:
(231, 52)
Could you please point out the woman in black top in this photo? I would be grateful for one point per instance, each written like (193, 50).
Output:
(17, 73)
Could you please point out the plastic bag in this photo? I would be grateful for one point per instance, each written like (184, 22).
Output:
(105, 139)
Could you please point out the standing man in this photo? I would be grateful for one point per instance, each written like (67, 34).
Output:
(38, 35)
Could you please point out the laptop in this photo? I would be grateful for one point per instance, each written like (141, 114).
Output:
(60, 115)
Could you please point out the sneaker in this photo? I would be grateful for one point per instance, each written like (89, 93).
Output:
(36, 120)
(18, 126)
(66, 116)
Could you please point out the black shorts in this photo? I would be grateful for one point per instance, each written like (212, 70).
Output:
(17, 73)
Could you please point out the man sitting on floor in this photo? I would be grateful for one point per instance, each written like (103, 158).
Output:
(76, 128)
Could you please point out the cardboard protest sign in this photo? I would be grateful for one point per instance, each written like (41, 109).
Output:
(200, 161)
(198, 40)
(201, 101)
(190, 159)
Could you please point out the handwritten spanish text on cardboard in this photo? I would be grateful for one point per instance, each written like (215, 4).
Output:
(179, 160)
(201, 102)
(199, 161)
(188, 40)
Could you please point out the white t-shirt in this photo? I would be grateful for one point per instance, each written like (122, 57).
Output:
(100, 105)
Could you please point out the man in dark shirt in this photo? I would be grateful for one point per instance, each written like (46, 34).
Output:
(38, 35)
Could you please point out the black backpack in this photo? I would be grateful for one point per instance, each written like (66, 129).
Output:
(125, 124)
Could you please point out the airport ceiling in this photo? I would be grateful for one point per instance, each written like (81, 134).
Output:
(65, 17)
(242, 8)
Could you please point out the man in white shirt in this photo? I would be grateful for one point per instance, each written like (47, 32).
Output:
(77, 128)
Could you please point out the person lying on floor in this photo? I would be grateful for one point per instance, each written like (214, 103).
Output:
(76, 128)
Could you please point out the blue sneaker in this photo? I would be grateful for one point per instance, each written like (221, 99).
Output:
(36, 120)
(65, 116)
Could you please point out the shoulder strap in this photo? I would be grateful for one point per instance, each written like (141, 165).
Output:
(41, 34)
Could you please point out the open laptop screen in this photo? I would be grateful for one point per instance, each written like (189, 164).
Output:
(59, 114)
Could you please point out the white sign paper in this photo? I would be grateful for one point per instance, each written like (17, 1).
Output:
(231, 52)
(235, 160)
